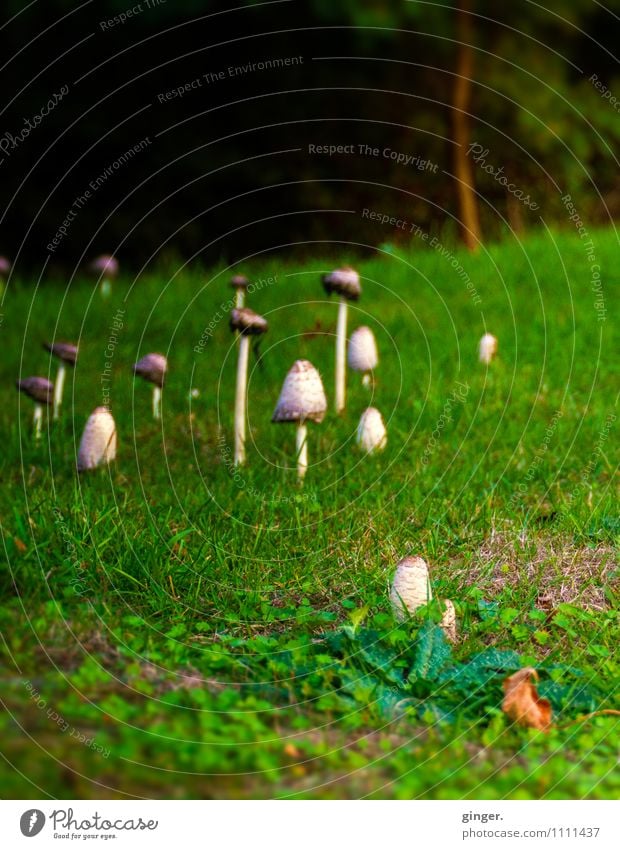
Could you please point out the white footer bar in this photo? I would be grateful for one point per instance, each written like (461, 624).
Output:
(310, 825)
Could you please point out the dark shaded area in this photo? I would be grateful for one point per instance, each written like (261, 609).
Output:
(228, 168)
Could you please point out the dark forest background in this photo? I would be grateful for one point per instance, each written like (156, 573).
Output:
(221, 177)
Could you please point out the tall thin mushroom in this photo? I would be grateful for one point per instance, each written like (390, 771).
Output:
(67, 354)
(345, 283)
(240, 285)
(41, 391)
(98, 443)
(362, 354)
(301, 400)
(247, 323)
(153, 368)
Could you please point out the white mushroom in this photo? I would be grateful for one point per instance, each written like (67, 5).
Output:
(67, 354)
(411, 588)
(98, 443)
(487, 348)
(371, 432)
(240, 285)
(153, 368)
(363, 355)
(41, 391)
(345, 282)
(247, 323)
(302, 399)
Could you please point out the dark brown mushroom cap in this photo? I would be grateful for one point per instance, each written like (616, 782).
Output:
(248, 322)
(344, 282)
(152, 367)
(39, 389)
(65, 351)
(239, 281)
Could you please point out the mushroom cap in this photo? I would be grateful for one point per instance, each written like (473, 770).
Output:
(362, 352)
(343, 281)
(411, 586)
(248, 322)
(98, 443)
(302, 397)
(152, 367)
(239, 281)
(65, 351)
(487, 348)
(39, 389)
(5, 266)
(105, 264)
(371, 432)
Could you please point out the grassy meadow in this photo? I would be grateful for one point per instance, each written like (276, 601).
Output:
(173, 627)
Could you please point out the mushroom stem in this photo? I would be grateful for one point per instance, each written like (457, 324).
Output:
(341, 346)
(37, 419)
(58, 387)
(301, 446)
(239, 298)
(105, 288)
(367, 380)
(156, 403)
(242, 381)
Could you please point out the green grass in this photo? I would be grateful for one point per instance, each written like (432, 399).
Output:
(213, 633)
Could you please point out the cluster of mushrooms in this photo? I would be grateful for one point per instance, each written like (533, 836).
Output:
(98, 443)
(302, 398)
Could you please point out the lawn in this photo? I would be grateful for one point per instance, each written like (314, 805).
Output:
(173, 627)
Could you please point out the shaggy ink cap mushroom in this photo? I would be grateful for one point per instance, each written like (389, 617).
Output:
(344, 282)
(371, 432)
(362, 354)
(65, 351)
(153, 368)
(105, 264)
(39, 389)
(248, 322)
(98, 443)
(239, 281)
(302, 397)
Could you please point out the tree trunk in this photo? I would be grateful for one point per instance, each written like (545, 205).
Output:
(461, 100)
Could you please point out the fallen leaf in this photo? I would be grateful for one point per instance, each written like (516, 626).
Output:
(19, 545)
(523, 704)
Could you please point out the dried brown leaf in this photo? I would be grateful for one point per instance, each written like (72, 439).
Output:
(523, 704)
